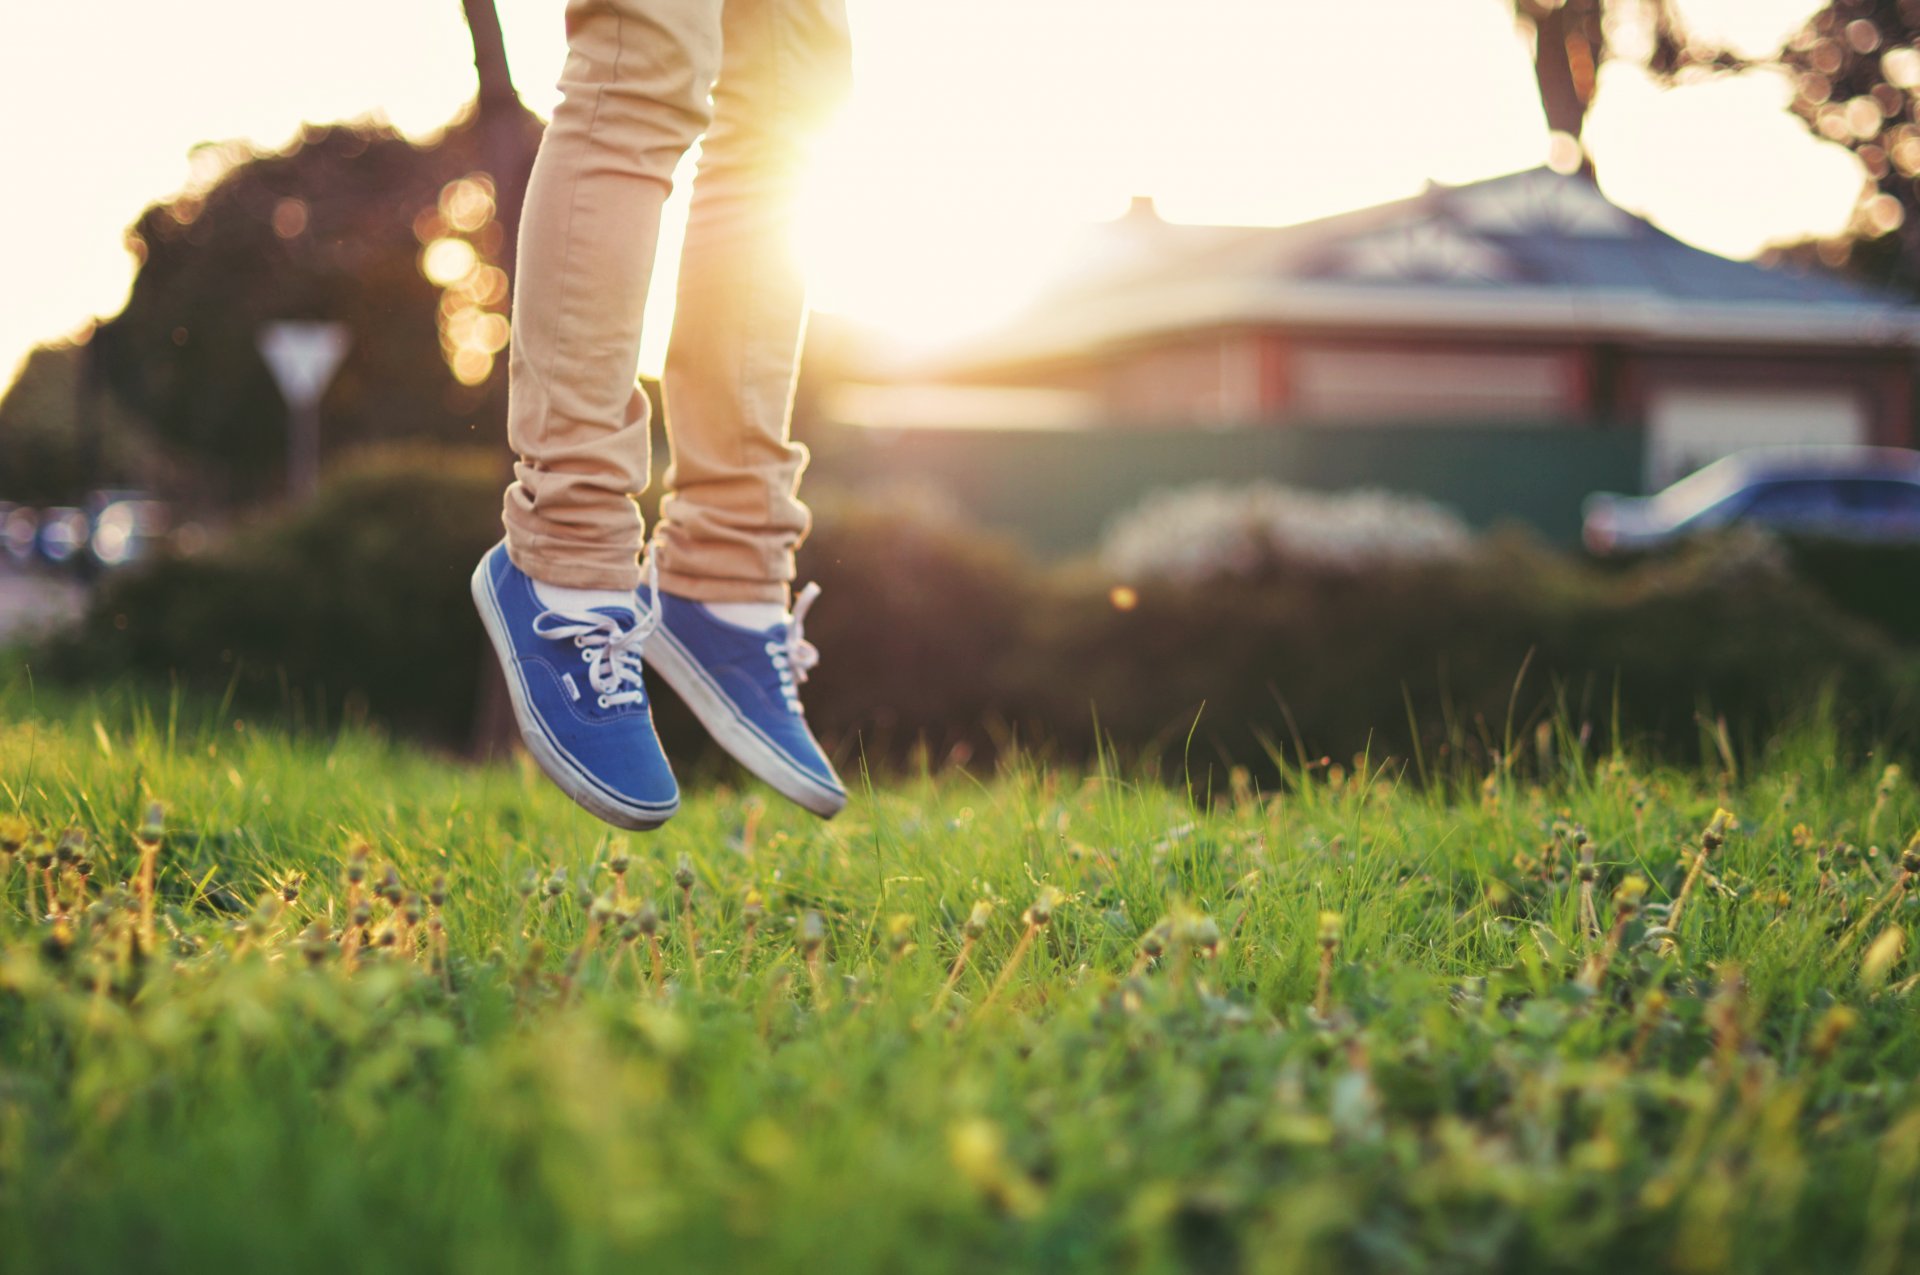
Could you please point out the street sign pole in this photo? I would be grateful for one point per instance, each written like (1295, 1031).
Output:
(303, 355)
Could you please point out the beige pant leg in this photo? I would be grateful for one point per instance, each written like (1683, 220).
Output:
(637, 85)
(731, 518)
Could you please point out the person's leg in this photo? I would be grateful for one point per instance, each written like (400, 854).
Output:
(731, 519)
(556, 596)
(636, 91)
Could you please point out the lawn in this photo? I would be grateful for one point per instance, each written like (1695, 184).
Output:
(377, 1011)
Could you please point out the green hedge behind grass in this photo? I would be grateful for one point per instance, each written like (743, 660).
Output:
(937, 636)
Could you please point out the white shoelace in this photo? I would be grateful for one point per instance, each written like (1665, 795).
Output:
(796, 657)
(611, 654)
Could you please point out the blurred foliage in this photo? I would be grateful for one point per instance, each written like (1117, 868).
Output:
(58, 440)
(1856, 74)
(356, 603)
(1855, 69)
(338, 227)
(939, 638)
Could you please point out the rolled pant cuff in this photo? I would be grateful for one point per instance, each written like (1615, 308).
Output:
(710, 589)
(570, 565)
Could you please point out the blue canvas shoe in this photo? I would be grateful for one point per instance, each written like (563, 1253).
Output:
(743, 685)
(575, 681)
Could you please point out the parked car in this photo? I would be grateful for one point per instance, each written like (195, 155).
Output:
(19, 532)
(63, 534)
(127, 526)
(1868, 494)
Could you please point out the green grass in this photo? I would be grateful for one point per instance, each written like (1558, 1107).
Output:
(1481, 1086)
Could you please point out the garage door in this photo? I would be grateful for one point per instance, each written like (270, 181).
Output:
(1688, 428)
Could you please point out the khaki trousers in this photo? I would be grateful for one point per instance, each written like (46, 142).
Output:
(644, 80)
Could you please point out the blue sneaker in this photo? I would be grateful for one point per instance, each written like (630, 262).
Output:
(743, 686)
(577, 695)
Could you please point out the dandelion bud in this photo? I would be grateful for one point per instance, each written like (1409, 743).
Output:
(618, 857)
(1329, 930)
(683, 873)
(57, 946)
(754, 907)
(390, 886)
(977, 919)
(1203, 935)
(42, 853)
(315, 944)
(13, 835)
(71, 842)
(1040, 912)
(413, 908)
(557, 883)
(601, 909)
(357, 862)
(647, 920)
(362, 914)
(1717, 828)
(153, 824)
(583, 895)
(900, 933)
(1629, 894)
(1153, 944)
(290, 888)
(1910, 857)
(528, 883)
(437, 892)
(813, 932)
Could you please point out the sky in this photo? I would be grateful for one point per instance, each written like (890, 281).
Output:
(981, 137)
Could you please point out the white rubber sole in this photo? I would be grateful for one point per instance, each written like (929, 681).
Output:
(589, 794)
(677, 668)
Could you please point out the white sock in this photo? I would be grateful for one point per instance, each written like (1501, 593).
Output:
(561, 598)
(758, 616)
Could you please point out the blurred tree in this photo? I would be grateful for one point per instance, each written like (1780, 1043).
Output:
(1855, 69)
(1571, 40)
(407, 243)
(1569, 43)
(1856, 73)
(57, 442)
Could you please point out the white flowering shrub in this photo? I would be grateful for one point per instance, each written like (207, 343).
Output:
(1190, 534)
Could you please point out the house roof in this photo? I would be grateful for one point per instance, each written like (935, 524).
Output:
(1534, 254)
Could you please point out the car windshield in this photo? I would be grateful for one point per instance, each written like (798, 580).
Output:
(1698, 491)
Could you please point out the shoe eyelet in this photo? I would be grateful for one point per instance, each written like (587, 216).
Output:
(602, 701)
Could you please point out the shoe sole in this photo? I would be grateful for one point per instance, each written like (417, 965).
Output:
(586, 791)
(731, 731)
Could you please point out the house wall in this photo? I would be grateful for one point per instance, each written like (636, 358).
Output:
(1387, 378)
(1882, 382)
(1241, 377)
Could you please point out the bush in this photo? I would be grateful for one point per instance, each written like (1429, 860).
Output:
(1192, 534)
(355, 603)
(936, 636)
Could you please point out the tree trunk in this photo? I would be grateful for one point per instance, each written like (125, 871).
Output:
(1569, 44)
(490, 57)
(506, 137)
